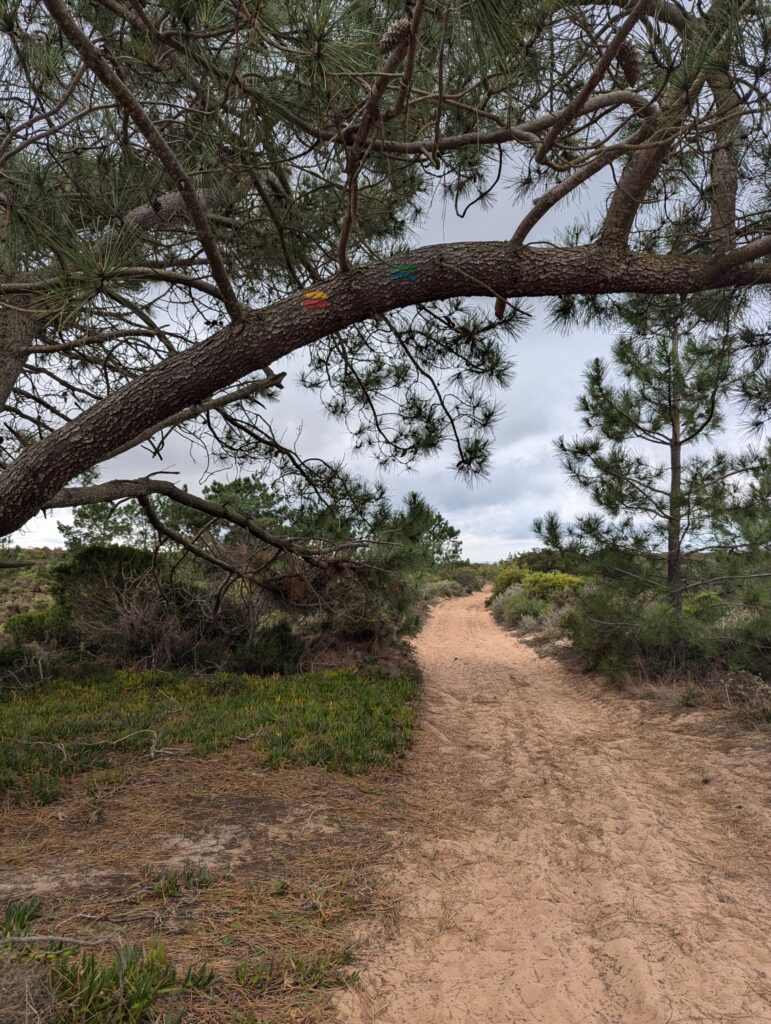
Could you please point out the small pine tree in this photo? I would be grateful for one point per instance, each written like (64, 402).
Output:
(646, 455)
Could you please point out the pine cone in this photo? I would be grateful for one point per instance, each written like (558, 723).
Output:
(629, 60)
(395, 34)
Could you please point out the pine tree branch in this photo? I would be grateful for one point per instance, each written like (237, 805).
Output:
(217, 404)
(357, 147)
(117, 490)
(576, 105)
(265, 335)
(94, 60)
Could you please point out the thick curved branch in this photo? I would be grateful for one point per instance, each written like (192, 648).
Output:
(708, 37)
(263, 336)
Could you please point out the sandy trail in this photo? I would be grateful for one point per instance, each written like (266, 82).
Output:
(573, 858)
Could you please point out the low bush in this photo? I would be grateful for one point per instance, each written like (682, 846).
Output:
(619, 632)
(115, 606)
(436, 590)
(518, 605)
(468, 578)
(544, 585)
(750, 691)
(12, 658)
(548, 559)
(27, 590)
(275, 649)
(529, 595)
(547, 628)
(551, 586)
(706, 606)
(77, 583)
(33, 627)
(508, 574)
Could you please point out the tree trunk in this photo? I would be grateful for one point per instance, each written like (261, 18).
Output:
(17, 333)
(674, 551)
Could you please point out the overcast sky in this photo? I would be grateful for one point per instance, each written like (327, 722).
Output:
(495, 514)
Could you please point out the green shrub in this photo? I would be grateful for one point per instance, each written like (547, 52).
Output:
(617, 632)
(706, 606)
(546, 586)
(508, 574)
(116, 606)
(435, 590)
(32, 627)
(518, 605)
(85, 574)
(11, 657)
(497, 606)
(743, 644)
(551, 586)
(467, 577)
(543, 559)
(751, 691)
(755, 594)
(276, 649)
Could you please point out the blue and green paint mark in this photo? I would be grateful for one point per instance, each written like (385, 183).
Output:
(404, 272)
(316, 298)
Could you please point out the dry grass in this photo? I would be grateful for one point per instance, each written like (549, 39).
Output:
(25, 998)
(250, 870)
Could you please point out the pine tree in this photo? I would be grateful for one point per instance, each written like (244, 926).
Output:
(648, 456)
(190, 191)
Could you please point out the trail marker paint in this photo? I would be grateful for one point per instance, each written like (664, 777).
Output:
(316, 300)
(404, 272)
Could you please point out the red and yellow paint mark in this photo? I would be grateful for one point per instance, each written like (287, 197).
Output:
(316, 299)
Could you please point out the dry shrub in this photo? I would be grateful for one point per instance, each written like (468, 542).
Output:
(133, 622)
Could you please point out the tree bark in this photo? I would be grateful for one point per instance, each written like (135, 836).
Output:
(17, 333)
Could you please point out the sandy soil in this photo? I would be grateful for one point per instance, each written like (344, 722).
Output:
(573, 856)
(293, 857)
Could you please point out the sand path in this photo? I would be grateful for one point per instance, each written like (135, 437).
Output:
(575, 858)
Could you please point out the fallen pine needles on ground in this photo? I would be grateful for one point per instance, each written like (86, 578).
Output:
(196, 878)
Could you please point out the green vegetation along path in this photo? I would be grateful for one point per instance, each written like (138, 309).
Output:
(573, 856)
